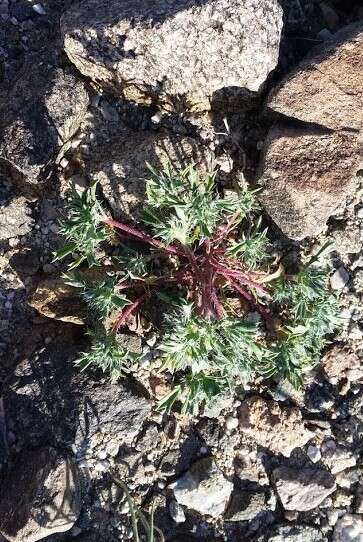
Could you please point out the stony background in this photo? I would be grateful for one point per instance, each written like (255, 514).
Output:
(283, 107)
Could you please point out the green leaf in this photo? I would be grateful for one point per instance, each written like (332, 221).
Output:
(65, 251)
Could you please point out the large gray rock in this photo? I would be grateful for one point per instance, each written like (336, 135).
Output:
(302, 489)
(39, 496)
(203, 488)
(306, 177)
(41, 112)
(182, 54)
(120, 166)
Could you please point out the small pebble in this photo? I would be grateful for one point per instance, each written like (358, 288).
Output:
(314, 454)
(231, 423)
(176, 512)
(38, 8)
(102, 466)
(64, 163)
(339, 278)
(156, 118)
(13, 242)
(333, 516)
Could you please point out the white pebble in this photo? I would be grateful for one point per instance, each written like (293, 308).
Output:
(314, 454)
(13, 242)
(38, 8)
(339, 278)
(231, 423)
(102, 466)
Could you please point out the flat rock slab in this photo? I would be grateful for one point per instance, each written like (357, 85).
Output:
(121, 166)
(181, 54)
(326, 88)
(306, 176)
(54, 298)
(302, 489)
(280, 429)
(39, 496)
(203, 488)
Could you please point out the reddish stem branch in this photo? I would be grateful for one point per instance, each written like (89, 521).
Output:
(238, 275)
(226, 229)
(126, 313)
(142, 236)
(250, 299)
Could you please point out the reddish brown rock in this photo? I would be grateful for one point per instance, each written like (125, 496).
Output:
(280, 429)
(306, 176)
(337, 361)
(54, 298)
(326, 88)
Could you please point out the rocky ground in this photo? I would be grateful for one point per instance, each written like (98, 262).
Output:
(92, 90)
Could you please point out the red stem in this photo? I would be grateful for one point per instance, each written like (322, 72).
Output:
(225, 229)
(250, 299)
(238, 275)
(142, 236)
(126, 313)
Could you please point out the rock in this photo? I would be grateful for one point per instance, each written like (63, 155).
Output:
(247, 505)
(42, 487)
(231, 423)
(280, 429)
(49, 400)
(330, 15)
(326, 88)
(295, 533)
(358, 504)
(55, 299)
(314, 454)
(15, 218)
(306, 176)
(40, 113)
(203, 488)
(179, 54)
(302, 489)
(338, 459)
(349, 528)
(120, 166)
(176, 512)
(338, 361)
(339, 278)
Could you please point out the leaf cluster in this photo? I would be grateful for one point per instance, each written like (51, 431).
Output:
(214, 353)
(310, 313)
(83, 229)
(101, 295)
(185, 206)
(108, 355)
